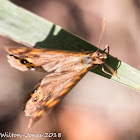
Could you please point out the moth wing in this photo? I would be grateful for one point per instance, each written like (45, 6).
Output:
(67, 69)
(50, 91)
(24, 58)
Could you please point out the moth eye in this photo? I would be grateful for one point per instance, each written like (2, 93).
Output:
(35, 99)
(24, 61)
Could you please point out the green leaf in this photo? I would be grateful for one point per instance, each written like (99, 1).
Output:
(29, 29)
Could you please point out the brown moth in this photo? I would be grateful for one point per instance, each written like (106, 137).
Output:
(64, 70)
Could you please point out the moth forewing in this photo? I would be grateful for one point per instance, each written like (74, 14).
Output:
(42, 60)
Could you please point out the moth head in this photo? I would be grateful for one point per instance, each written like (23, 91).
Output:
(98, 57)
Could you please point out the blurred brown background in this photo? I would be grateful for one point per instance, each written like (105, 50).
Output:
(96, 108)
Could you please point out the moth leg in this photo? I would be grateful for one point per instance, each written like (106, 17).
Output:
(105, 71)
(111, 70)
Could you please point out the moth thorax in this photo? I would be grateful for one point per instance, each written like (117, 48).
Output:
(98, 57)
(87, 60)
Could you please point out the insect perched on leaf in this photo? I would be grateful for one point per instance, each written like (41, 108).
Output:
(64, 70)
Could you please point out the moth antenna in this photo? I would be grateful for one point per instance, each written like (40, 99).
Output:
(106, 48)
(112, 71)
(102, 32)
